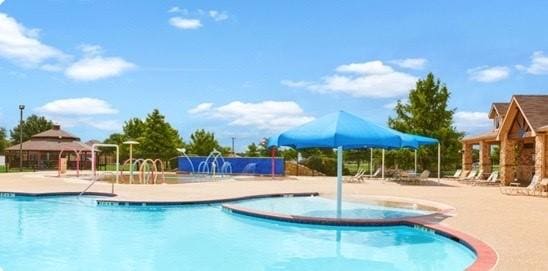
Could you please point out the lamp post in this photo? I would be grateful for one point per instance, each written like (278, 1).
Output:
(130, 143)
(21, 108)
(233, 151)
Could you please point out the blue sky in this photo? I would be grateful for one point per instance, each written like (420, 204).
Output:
(248, 69)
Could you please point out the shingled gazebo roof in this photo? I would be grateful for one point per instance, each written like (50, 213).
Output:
(54, 139)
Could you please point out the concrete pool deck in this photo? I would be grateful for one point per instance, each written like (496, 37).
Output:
(514, 226)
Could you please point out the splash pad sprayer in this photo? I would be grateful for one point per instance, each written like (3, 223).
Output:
(215, 165)
(183, 153)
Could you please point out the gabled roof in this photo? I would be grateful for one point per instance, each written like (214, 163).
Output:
(534, 108)
(499, 109)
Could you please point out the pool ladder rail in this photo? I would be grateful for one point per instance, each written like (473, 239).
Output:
(95, 178)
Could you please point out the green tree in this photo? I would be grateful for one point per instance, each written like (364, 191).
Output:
(252, 150)
(32, 125)
(134, 129)
(202, 142)
(426, 113)
(159, 140)
(3, 140)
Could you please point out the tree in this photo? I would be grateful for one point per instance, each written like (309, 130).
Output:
(203, 143)
(32, 125)
(252, 150)
(3, 140)
(426, 113)
(159, 139)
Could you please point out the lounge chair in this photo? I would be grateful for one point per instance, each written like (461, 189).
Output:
(470, 177)
(493, 179)
(358, 178)
(414, 178)
(377, 173)
(456, 175)
(532, 189)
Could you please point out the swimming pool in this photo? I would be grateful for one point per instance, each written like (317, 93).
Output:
(67, 233)
(324, 207)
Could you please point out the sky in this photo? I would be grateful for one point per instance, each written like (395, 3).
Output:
(250, 69)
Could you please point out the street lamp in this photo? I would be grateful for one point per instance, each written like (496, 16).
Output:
(131, 143)
(21, 108)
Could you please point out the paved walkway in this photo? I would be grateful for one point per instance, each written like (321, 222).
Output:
(515, 226)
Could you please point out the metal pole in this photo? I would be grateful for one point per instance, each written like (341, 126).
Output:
(130, 164)
(439, 162)
(21, 108)
(339, 180)
(415, 161)
(371, 163)
(383, 164)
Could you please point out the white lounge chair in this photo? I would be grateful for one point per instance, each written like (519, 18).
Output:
(358, 178)
(531, 189)
(377, 173)
(493, 179)
(456, 175)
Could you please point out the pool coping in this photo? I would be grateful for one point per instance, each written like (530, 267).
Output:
(10, 194)
(115, 202)
(486, 256)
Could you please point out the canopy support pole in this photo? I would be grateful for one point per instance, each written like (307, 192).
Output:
(371, 163)
(415, 161)
(439, 162)
(339, 180)
(383, 164)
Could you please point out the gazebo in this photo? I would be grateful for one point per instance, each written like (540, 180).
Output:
(42, 151)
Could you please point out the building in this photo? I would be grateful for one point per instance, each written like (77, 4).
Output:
(520, 128)
(42, 150)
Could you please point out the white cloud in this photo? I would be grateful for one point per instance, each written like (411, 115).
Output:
(372, 79)
(218, 15)
(77, 106)
(471, 121)
(371, 67)
(184, 23)
(97, 67)
(393, 104)
(22, 46)
(203, 107)
(175, 9)
(272, 116)
(538, 66)
(410, 63)
(488, 74)
(1, 1)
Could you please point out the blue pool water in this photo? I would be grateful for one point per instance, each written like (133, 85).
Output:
(323, 207)
(67, 233)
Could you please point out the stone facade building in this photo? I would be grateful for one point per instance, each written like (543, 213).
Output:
(520, 128)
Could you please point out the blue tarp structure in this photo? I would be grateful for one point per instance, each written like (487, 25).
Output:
(239, 165)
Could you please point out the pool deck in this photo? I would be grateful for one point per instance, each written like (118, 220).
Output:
(514, 226)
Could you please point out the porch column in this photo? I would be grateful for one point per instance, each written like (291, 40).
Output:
(485, 157)
(467, 156)
(540, 155)
(507, 160)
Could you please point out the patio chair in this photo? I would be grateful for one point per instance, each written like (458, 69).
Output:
(457, 174)
(470, 177)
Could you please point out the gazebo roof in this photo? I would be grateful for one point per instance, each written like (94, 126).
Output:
(54, 139)
(55, 133)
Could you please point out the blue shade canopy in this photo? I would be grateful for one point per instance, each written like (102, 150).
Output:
(339, 129)
(415, 141)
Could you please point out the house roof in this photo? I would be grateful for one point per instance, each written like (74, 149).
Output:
(534, 108)
(481, 137)
(499, 108)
